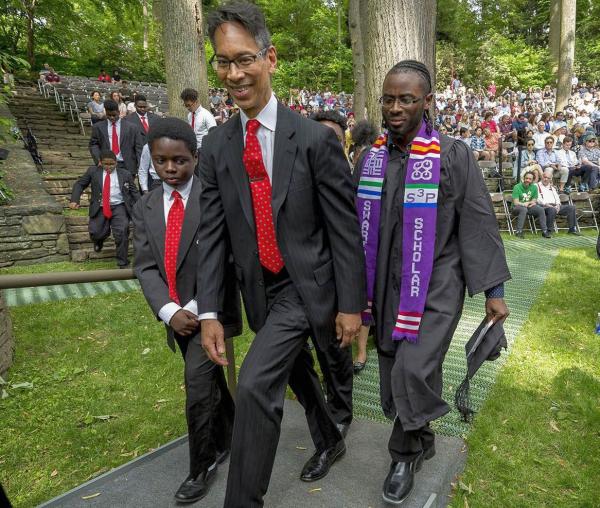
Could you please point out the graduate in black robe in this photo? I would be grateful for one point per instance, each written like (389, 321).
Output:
(468, 253)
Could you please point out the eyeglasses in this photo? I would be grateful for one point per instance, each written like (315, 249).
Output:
(220, 64)
(388, 101)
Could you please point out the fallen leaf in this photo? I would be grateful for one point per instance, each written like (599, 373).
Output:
(554, 426)
(105, 417)
(494, 448)
(146, 351)
(54, 473)
(26, 385)
(160, 401)
(4, 394)
(318, 489)
(301, 448)
(466, 503)
(91, 496)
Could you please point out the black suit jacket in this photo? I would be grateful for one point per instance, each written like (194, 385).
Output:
(134, 119)
(149, 255)
(315, 222)
(131, 143)
(93, 176)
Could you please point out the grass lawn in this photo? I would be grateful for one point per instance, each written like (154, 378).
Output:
(103, 393)
(60, 266)
(536, 441)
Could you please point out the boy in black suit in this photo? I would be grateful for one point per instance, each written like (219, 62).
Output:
(142, 118)
(113, 196)
(166, 253)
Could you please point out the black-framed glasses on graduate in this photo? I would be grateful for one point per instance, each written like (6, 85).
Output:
(388, 101)
(221, 64)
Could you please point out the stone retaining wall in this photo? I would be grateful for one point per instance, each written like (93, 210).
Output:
(7, 344)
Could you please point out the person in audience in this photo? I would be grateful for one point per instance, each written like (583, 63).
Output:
(121, 137)
(529, 161)
(125, 91)
(147, 175)
(198, 117)
(478, 146)
(583, 118)
(116, 77)
(595, 117)
(96, 107)
(488, 121)
(170, 217)
(104, 77)
(568, 162)
(45, 70)
(559, 121)
(589, 157)
(524, 196)
(52, 77)
(558, 135)
(547, 157)
(540, 135)
(506, 126)
(116, 96)
(549, 200)
(465, 136)
(142, 118)
(492, 143)
(364, 135)
(111, 203)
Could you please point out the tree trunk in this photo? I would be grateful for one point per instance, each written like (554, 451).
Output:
(30, 11)
(358, 58)
(567, 53)
(554, 35)
(145, 17)
(183, 43)
(396, 30)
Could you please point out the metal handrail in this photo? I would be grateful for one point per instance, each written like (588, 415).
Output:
(58, 278)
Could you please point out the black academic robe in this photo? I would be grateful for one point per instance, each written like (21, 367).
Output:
(468, 254)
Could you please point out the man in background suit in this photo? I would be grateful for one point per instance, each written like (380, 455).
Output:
(123, 138)
(166, 223)
(277, 188)
(142, 118)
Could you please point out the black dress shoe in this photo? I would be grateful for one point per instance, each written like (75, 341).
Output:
(222, 455)
(319, 464)
(574, 232)
(194, 489)
(358, 367)
(343, 428)
(546, 234)
(98, 244)
(400, 481)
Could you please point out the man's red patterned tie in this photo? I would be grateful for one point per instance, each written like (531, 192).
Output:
(260, 185)
(115, 139)
(144, 123)
(172, 236)
(106, 211)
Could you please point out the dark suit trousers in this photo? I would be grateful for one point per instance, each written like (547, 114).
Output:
(338, 374)
(100, 228)
(277, 356)
(209, 408)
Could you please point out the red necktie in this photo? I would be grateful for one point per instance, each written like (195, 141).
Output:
(106, 211)
(144, 123)
(172, 236)
(115, 139)
(268, 252)
(193, 119)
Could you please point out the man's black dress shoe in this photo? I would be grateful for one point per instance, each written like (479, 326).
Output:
(222, 455)
(343, 428)
(98, 244)
(319, 464)
(546, 234)
(194, 489)
(400, 481)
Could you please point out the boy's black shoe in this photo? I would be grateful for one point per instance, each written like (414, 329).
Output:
(98, 244)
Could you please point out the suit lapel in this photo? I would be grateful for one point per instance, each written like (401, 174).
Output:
(191, 220)
(157, 220)
(236, 167)
(283, 160)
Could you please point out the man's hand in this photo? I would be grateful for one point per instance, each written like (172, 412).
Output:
(184, 322)
(213, 340)
(73, 205)
(496, 310)
(347, 327)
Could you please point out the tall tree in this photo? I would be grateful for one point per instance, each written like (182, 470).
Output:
(183, 43)
(29, 8)
(358, 57)
(145, 17)
(396, 30)
(567, 52)
(555, 8)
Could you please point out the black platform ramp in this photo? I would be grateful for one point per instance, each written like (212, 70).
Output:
(354, 481)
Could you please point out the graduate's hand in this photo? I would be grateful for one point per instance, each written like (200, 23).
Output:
(347, 327)
(213, 340)
(496, 310)
(184, 322)
(73, 205)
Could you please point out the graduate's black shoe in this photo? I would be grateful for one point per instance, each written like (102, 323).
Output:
(400, 481)
(194, 489)
(519, 234)
(343, 428)
(98, 244)
(222, 455)
(546, 234)
(574, 232)
(319, 464)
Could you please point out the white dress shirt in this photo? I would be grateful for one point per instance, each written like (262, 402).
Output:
(116, 198)
(203, 121)
(146, 168)
(110, 126)
(168, 310)
(547, 196)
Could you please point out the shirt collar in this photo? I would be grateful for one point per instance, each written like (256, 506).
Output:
(117, 123)
(184, 189)
(267, 117)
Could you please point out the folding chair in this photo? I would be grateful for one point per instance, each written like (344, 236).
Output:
(529, 222)
(564, 200)
(584, 209)
(490, 175)
(501, 211)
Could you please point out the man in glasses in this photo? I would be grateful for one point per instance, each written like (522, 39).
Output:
(589, 156)
(430, 232)
(277, 190)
